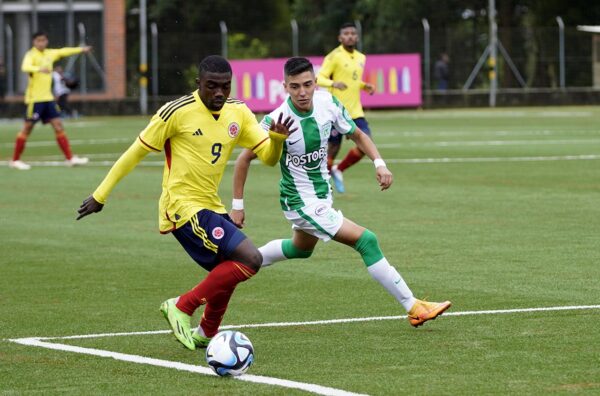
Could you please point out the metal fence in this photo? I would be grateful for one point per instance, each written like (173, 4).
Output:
(534, 54)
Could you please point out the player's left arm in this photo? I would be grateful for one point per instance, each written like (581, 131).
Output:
(366, 145)
(267, 148)
(240, 175)
(69, 51)
(365, 86)
(150, 139)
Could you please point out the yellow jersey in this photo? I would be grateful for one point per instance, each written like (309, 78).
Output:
(39, 88)
(347, 67)
(197, 145)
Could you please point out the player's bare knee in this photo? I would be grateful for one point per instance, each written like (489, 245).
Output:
(254, 260)
(247, 254)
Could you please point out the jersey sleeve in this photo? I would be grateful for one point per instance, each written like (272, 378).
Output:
(326, 72)
(125, 164)
(27, 65)
(252, 134)
(66, 51)
(161, 127)
(342, 122)
(265, 144)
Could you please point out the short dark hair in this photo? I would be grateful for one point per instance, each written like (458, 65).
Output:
(297, 65)
(347, 25)
(38, 34)
(214, 64)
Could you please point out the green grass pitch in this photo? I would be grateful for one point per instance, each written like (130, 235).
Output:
(491, 209)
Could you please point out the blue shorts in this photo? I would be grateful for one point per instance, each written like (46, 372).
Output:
(336, 137)
(209, 238)
(44, 111)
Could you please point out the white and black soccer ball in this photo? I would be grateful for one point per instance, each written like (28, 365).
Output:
(230, 353)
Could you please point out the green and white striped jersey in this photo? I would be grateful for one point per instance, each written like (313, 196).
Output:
(304, 174)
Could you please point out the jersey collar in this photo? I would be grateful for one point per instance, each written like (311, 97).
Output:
(298, 112)
(345, 51)
(202, 105)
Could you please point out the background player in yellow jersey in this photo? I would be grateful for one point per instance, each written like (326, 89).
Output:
(342, 72)
(38, 64)
(198, 133)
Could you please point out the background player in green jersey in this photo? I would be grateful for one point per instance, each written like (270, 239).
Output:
(198, 133)
(307, 205)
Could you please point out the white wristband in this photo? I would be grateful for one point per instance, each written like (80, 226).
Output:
(237, 204)
(379, 162)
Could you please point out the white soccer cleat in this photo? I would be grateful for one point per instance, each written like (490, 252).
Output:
(75, 160)
(338, 179)
(18, 164)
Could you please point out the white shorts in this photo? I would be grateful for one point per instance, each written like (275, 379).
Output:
(317, 218)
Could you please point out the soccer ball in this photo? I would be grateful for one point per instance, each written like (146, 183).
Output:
(230, 353)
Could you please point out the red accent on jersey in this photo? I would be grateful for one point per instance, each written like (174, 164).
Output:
(168, 231)
(174, 225)
(168, 159)
(259, 143)
(147, 145)
(168, 153)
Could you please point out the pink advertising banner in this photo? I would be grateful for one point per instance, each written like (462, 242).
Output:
(397, 81)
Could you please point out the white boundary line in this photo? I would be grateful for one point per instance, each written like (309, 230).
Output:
(476, 143)
(458, 143)
(74, 142)
(329, 321)
(582, 157)
(313, 388)
(467, 143)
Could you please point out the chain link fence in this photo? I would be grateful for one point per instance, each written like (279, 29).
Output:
(533, 51)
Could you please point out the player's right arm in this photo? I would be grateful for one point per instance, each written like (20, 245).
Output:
(153, 136)
(326, 71)
(125, 164)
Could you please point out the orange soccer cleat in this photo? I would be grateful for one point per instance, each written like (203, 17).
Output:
(423, 311)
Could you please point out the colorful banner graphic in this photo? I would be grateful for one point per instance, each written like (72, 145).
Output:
(397, 81)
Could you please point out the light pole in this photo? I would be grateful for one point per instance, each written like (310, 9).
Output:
(561, 50)
(143, 59)
(426, 55)
(493, 59)
(294, 37)
(154, 33)
(223, 27)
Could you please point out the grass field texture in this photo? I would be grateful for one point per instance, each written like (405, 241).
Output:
(491, 209)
